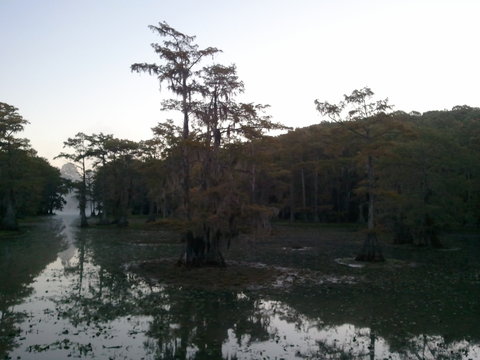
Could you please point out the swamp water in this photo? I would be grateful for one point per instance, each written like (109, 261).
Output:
(72, 293)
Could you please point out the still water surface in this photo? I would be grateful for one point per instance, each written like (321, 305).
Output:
(68, 293)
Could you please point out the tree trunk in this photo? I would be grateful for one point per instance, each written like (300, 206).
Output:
(9, 220)
(292, 200)
(186, 160)
(348, 196)
(371, 250)
(194, 252)
(104, 215)
(123, 216)
(151, 212)
(81, 261)
(213, 255)
(203, 249)
(430, 233)
(103, 198)
(253, 184)
(315, 198)
(83, 215)
(164, 205)
(83, 197)
(372, 345)
(361, 217)
(401, 232)
(304, 190)
(371, 199)
(92, 207)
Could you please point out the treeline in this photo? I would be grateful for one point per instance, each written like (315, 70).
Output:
(427, 174)
(218, 174)
(29, 185)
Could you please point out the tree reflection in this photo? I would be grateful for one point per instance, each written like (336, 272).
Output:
(185, 323)
(328, 321)
(194, 324)
(22, 257)
(435, 347)
(386, 324)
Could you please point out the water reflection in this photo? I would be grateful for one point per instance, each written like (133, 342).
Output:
(22, 257)
(84, 303)
(68, 232)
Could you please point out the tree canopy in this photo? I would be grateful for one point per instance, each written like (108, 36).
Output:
(29, 185)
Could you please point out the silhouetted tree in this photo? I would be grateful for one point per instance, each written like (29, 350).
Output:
(365, 118)
(81, 152)
(99, 153)
(11, 150)
(181, 57)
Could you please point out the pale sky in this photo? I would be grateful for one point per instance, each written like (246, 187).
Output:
(66, 64)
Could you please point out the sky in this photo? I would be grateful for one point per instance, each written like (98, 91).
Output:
(65, 64)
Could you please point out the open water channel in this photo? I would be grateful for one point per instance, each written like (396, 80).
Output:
(69, 293)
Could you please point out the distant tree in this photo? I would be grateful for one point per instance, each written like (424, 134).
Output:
(91, 199)
(79, 155)
(366, 119)
(98, 147)
(158, 157)
(427, 188)
(11, 149)
(120, 172)
(29, 185)
(53, 187)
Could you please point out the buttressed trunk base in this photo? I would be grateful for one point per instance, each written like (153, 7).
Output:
(371, 250)
(201, 252)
